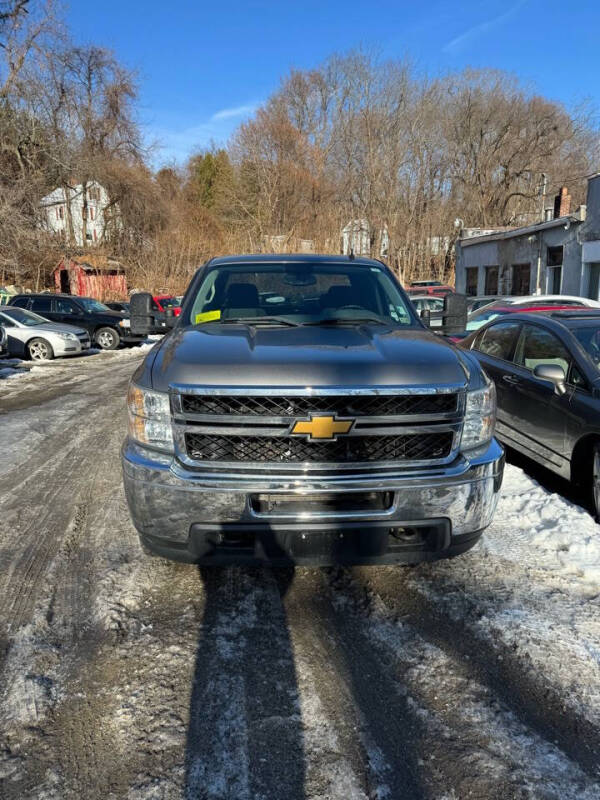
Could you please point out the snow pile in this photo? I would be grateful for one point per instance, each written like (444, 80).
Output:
(537, 528)
(11, 367)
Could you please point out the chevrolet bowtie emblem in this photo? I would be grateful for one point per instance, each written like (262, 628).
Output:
(322, 427)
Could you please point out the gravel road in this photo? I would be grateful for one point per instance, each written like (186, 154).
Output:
(124, 676)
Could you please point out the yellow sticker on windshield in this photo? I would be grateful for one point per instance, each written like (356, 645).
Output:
(208, 316)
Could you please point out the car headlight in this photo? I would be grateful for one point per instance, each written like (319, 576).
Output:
(125, 323)
(150, 418)
(480, 417)
(67, 336)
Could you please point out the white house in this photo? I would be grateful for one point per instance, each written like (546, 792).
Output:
(356, 238)
(86, 209)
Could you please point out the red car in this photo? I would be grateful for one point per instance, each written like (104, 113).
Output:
(429, 287)
(161, 302)
(479, 318)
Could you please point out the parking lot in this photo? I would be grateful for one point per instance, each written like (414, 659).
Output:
(127, 676)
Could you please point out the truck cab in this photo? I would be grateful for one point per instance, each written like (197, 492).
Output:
(299, 412)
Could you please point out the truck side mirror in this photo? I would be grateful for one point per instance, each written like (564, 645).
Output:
(426, 317)
(454, 315)
(553, 373)
(142, 317)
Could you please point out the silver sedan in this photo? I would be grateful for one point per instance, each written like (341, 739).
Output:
(35, 337)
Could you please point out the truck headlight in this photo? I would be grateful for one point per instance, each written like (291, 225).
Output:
(150, 418)
(480, 417)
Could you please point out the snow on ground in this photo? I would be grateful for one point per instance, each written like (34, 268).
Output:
(10, 367)
(544, 530)
(135, 656)
(446, 698)
(530, 593)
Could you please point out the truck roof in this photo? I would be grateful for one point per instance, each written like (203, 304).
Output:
(292, 258)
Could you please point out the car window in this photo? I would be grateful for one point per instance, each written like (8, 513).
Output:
(576, 378)
(589, 338)
(498, 340)
(91, 305)
(41, 304)
(23, 316)
(538, 346)
(435, 304)
(63, 306)
(478, 318)
(21, 302)
(6, 321)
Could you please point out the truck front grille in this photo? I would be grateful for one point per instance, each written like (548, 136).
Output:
(405, 447)
(342, 405)
(233, 429)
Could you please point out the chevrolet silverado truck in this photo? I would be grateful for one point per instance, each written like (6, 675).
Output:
(300, 412)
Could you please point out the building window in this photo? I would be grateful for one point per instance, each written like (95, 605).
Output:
(471, 280)
(593, 289)
(92, 213)
(94, 193)
(554, 280)
(491, 280)
(521, 276)
(554, 256)
(95, 235)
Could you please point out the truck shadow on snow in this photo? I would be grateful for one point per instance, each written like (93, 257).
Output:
(245, 736)
(263, 636)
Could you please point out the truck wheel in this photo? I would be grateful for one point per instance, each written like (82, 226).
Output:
(596, 481)
(107, 339)
(39, 350)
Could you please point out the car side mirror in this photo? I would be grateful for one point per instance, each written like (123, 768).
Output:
(142, 317)
(553, 373)
(426, 317)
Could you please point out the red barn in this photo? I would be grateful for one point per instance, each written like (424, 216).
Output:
(75, 276)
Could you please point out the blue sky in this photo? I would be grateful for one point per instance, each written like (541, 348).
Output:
(204, 67)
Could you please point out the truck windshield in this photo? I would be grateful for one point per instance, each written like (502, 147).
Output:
(300, 293)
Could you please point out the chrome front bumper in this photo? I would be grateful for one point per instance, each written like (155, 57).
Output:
(172, 507)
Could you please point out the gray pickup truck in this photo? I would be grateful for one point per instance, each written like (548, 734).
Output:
(300, 412)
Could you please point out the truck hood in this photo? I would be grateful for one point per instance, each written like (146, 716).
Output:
(345, 356)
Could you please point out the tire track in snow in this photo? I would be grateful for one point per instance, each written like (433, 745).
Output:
(42, 509)
(477, 719)
(513, 647)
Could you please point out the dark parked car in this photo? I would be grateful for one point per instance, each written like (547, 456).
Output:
(475, 303)
(500, 309)
(108, 329)
(547, 374)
